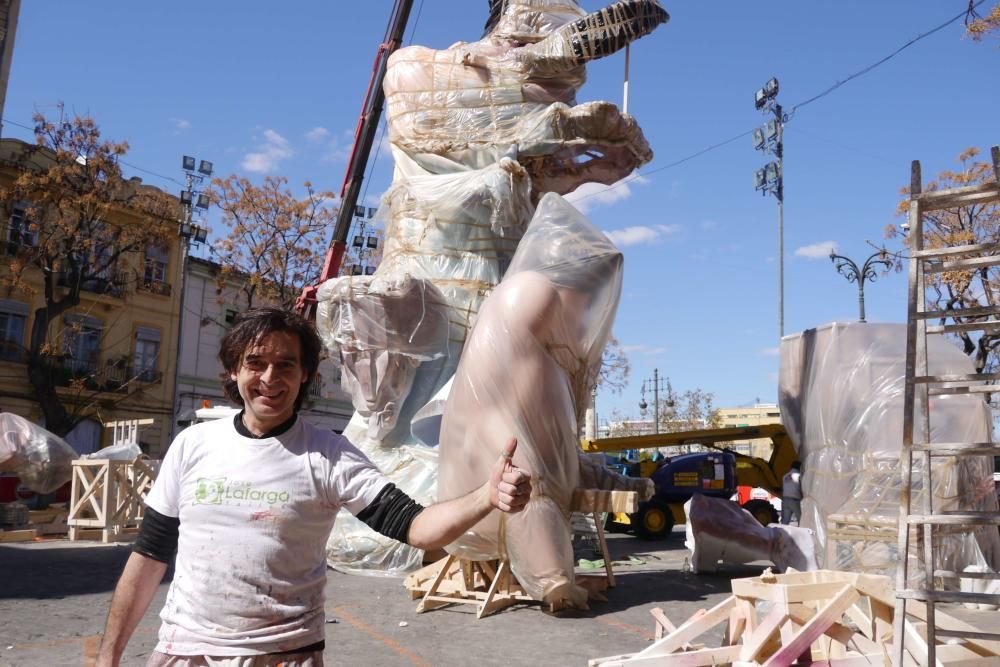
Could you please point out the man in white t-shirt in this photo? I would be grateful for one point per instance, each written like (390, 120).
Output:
(791, 495)
(247, 506)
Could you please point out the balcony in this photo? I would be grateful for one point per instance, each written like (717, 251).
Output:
(160, 287)
(117, 285)
(114, 375)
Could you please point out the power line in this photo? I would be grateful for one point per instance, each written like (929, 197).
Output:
(127, 164)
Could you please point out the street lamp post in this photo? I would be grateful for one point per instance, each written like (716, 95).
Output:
(850, 270)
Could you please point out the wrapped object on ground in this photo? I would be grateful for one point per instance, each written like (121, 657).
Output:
(526, 372)
(720, 530)
(41, 459)
(841, 392)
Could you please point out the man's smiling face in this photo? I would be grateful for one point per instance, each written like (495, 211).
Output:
(269, 379)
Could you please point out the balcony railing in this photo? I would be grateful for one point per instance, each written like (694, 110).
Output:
(160, 287)
(117, 285)
(114, 375)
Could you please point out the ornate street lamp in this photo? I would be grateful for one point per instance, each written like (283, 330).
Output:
(850, 270)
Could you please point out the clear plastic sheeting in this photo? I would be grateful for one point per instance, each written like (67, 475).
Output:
(478, 132)
(383, 329)
(720, 531)
(514, 90)
(841, 392)
(353, 547)
(43, 461)
(526, 372)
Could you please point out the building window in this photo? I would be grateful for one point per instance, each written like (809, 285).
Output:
(82, 342)
(146, 354)
(154, 278)
(13, 316)
(19, 232)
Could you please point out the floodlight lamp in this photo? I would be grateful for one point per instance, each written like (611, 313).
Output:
(772, 129)
(369, 270)
(205, 167)
(202, 201)
(187, 229)
(187, 163)
(759, 179)
(772, 172)
(356, 270)
(771, 87)
(359, 211)
(200, 234)
(359, 242)
(371, 212)
(372, 242)
(758, 138)
(186, 197)
(760, 98)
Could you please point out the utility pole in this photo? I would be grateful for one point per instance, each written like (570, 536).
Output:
(770, 178)
(654, 385)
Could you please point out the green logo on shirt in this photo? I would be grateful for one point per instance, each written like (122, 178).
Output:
(221, 491)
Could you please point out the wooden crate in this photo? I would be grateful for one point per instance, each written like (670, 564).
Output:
(108, 495)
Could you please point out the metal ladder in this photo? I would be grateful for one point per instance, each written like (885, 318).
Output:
(917, 447)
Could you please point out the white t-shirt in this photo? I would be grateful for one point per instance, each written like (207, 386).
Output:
(791, 485)
(255, 515)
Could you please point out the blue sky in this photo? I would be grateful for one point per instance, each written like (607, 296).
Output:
(262, 90)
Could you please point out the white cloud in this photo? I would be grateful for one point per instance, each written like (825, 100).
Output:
(317, 134)
(180, 124)
(589, 195)
(819, 250)
(269, 154)
(769, 352)
(640, 234)
(643, 349)
(708, 225)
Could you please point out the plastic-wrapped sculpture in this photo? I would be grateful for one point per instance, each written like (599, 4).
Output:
(841, 392)
(42, 460)
(720, 530)
(478, 132)
(526, 371)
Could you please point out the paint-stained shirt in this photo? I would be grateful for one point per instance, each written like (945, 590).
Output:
(255, 515)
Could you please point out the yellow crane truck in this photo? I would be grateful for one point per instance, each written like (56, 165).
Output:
(716, 473)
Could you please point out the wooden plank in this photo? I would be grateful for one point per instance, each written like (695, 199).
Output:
(602, 500)
(755, 643)
(23, 535)
(690, 630)
(832, 611)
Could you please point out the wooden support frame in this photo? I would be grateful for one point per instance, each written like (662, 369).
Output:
(108, 495)
(489, 585)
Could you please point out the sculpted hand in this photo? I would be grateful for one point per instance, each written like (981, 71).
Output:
(510, 487)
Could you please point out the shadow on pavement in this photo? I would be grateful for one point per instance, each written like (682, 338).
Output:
(40, 572)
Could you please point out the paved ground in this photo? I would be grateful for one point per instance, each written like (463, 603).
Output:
(54, 597)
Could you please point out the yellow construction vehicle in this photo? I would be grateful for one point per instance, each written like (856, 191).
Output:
(721, 473)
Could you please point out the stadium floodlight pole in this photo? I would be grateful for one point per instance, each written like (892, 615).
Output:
(770, 179)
